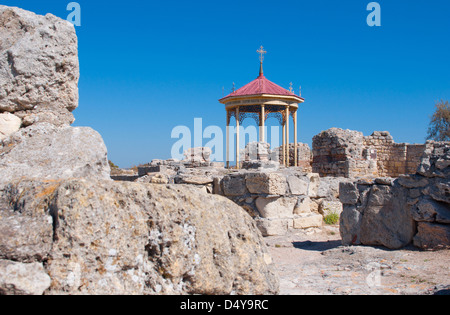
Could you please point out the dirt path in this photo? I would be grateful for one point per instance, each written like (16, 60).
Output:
(316, 263)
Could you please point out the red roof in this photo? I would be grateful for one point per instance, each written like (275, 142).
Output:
(261, 86)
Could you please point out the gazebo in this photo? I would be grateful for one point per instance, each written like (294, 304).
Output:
(261, 99)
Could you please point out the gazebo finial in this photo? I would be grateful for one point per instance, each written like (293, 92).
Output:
(261, 52)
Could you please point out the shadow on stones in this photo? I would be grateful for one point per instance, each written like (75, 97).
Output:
(317, 246)
(445, 292)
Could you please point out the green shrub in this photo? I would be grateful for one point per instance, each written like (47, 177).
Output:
(332, 218)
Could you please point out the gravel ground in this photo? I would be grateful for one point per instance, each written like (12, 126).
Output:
(314, 262)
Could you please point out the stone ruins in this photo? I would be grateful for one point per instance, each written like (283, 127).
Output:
(71, 225)
(284, 199)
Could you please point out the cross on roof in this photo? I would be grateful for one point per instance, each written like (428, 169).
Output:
(262, 52)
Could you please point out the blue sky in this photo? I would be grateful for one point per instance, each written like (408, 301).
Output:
(148, 66)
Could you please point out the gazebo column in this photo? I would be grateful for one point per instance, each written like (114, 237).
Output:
(262, 122)
(284, 144)
(228, 141)
(237, 138)
(295, 139)
(287, 136)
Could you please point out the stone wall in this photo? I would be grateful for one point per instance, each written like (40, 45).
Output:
(394, 213)
(394, 159)
(279, 201)
(346, 153)
(341, 153)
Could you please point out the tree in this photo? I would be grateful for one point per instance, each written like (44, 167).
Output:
(439, 129)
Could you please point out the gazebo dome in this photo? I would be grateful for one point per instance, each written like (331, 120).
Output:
(259, 87)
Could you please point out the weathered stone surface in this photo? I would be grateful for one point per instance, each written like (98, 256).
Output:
(9, 124)
(314, 183)
(432, 236)
(298, 186)
(349, 194)
(329, 188)
(303, 205)
(308, 221)
(435, 161)
(279, 207)
(39, 68)
(56, 153)
(234, 185)
(350, 225)
(274, 227)
(428, 210)
(384, 181)
(412, 181)
(29, 244)
(440, 190)
(330, 207)
(266, 183)
(384, 217)
(22, 279)
(193, 179)
(197, 156)
(151, 239)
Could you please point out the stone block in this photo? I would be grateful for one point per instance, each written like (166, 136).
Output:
(314, 183)
(279, 207)
(303, 205)
(348, 193)
(274, 227)
(23, 279)
(234, 185)
(298, 186)
(309, 221)
(428, 210)
(266, 183)
(432, 236)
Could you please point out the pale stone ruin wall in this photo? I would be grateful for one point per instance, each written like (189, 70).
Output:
(346, 153)
(340, 153)
(394, 159)
(397, 212)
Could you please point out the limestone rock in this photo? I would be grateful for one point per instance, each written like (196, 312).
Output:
(56, 153)
(349, 194)
(131, 238)
(350, 225)
(298, 186)
(39, 68)
(9, 124)
(383, 218)
(303, 205)
(432, 236)
(274, 227)
(428, 210)
(29, 244)
(266, 183)
(278, 207)
(435, 161)
(234, 185)
(22, 279)
(386, 220)
(308, 221)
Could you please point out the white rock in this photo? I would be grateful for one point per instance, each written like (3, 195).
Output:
(314, 220)
(9, 124)
(23, 279)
